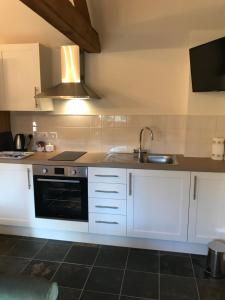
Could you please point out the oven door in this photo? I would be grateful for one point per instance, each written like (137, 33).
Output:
(61, 198)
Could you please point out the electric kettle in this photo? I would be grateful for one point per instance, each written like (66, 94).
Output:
(22, 141)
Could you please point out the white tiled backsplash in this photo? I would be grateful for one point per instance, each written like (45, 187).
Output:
(188, 135)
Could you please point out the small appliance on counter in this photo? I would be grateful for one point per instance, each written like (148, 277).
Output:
(22, 142)
(40, 146)
(14, 154)
(6, 141)
(218, 148)
(49, 147)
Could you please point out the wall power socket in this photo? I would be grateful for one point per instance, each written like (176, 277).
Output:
(52, 135)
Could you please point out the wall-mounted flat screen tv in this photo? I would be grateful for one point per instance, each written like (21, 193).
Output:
(208, 66)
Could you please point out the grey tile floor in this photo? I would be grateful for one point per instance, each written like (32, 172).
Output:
(95, 272)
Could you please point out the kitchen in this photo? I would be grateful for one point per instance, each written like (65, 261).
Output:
(150, 211)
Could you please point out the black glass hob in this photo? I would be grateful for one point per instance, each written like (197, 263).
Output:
(67, 156)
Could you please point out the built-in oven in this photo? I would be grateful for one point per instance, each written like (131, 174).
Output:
(61, 192)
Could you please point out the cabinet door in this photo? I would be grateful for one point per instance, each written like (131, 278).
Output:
(207, 207)
(157, 204)
(16, 195)
(20, 71)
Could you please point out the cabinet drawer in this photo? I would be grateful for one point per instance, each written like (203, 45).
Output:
(107, 175)
(107, 190)
(107, 206)
(107, 224)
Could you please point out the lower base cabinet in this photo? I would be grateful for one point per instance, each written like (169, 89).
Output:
(16, 195)
(107, 224)
(207, 207)
(157, 204)
(163, 205)
(107, 191)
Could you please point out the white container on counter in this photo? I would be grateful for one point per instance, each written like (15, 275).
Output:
(49, 147)
(217, 148)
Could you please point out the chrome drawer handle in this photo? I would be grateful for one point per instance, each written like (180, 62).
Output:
(102, 206)
(28, 179)
(107, 192)
(105, 222)
(195, 188)
(107, 176)
(130, 184)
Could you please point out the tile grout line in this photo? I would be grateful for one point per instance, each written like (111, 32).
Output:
(39, 250)
(124, 272)
(100, 292)
(92, 267)
(106, 293)
(31, 258)
(173, 253)
(67, 252)
(195, 278)
(61, 262)
(12, 247)
(85, 265)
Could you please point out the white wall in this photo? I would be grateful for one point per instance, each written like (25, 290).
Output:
(153, 81)
(144, 64)
(19, 24)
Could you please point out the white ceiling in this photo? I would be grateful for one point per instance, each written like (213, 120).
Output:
(143, 24)
(122, 24)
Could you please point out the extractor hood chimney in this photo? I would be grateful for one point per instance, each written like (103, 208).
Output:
(72, 84)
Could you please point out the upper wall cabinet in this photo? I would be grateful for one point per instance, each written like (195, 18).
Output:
(25, 69)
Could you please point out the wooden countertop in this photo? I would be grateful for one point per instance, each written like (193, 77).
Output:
(125, 161)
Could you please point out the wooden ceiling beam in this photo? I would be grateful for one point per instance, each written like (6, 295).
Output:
(69, 20)
(81, 5)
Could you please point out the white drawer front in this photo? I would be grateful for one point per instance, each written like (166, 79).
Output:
(107, 175)
(107, 190)
(107, 224)
(107, 206)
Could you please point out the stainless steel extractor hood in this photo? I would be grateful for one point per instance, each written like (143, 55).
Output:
(72, 84)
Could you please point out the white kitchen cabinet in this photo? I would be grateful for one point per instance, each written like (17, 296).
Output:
(107, 206)
(107, 175)
(107, 224)
(16, 195)
(107, 190)
(207, 207)
(107, 199)
(25, 69)
(157, 204)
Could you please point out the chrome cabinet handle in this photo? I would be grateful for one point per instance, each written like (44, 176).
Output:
(58, 180)
(107, 192)
(195, 188)
(28, 179)
(130, 184)
(106, 222)
(102, 206)
(107, 176)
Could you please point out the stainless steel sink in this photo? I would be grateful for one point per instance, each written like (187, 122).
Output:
(160, 159)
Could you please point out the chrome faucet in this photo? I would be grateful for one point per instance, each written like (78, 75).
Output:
(140, 150)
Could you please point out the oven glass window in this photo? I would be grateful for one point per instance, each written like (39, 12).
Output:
(61, 198)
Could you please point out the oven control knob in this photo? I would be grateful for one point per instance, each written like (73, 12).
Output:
(44, 171)
(74, 172)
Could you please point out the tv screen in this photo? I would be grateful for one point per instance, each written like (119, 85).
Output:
(208, 66)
